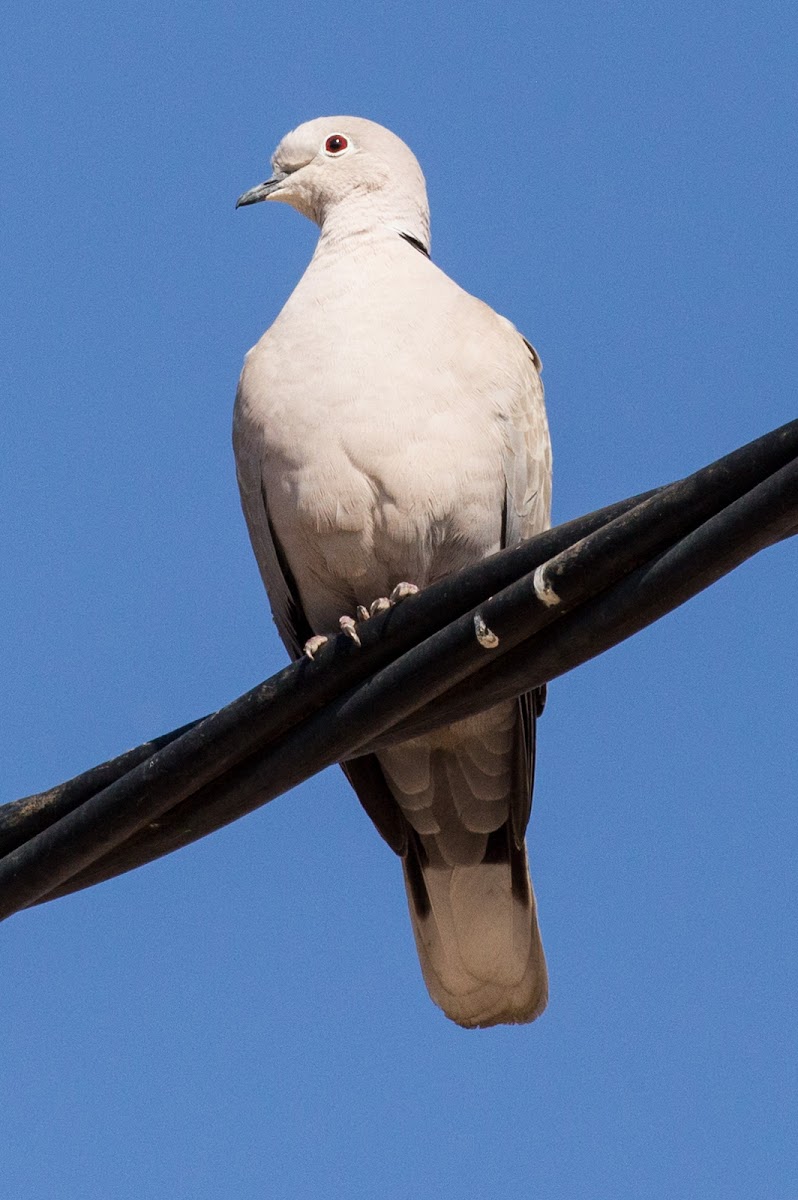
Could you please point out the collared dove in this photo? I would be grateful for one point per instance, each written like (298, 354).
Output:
(389, 428)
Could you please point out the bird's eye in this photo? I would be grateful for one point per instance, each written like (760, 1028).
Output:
(336, 143)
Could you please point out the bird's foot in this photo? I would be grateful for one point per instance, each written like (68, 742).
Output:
(401, 592)
(349, 627)
(313, 645)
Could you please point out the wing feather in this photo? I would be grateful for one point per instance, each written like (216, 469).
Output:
(527, 511)
(281, 587)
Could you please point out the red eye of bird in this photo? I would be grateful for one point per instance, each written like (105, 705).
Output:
(336, 143)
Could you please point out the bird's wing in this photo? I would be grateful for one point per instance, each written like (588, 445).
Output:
(286, 603)
(527, 462)
(527, 511)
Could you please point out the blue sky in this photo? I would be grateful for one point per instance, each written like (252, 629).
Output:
(246, 1018)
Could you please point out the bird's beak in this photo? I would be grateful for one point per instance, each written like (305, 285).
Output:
(261, 192)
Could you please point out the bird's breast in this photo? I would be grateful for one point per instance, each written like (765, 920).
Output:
(381, 446)
(362, 503)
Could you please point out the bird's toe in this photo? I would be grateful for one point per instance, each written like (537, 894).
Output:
(401, 592)
(313, 645)
(349, 627)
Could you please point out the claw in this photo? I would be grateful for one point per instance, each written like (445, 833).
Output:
(402, 591)
(381, 604)
(363, 613)
(348, 627)
(313, 645)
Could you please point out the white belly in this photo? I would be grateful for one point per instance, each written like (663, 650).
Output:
(427, 506)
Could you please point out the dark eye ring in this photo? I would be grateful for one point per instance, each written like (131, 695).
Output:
(335, 143)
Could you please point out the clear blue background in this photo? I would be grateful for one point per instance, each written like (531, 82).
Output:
(246, 1018)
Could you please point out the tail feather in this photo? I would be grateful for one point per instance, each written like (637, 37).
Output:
(463, 797)
(476, 933)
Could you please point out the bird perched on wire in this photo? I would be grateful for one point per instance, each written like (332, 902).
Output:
(389, 429)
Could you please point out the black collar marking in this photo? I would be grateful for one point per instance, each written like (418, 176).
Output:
(422, 249)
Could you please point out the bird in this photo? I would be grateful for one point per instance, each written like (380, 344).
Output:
(389, 429)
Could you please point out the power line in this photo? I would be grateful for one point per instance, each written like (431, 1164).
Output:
(503, 626)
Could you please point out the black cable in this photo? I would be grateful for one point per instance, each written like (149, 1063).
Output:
(605, 577)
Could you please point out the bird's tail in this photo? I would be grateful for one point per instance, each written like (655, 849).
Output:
(477, 933)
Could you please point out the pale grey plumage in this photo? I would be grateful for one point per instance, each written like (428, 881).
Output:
(389, 427)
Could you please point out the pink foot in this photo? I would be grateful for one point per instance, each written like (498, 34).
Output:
(313, 645)
(401, 592)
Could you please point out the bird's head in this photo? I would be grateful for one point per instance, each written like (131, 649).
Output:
(350, 167)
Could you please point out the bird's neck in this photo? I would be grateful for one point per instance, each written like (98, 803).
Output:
(369, 220)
